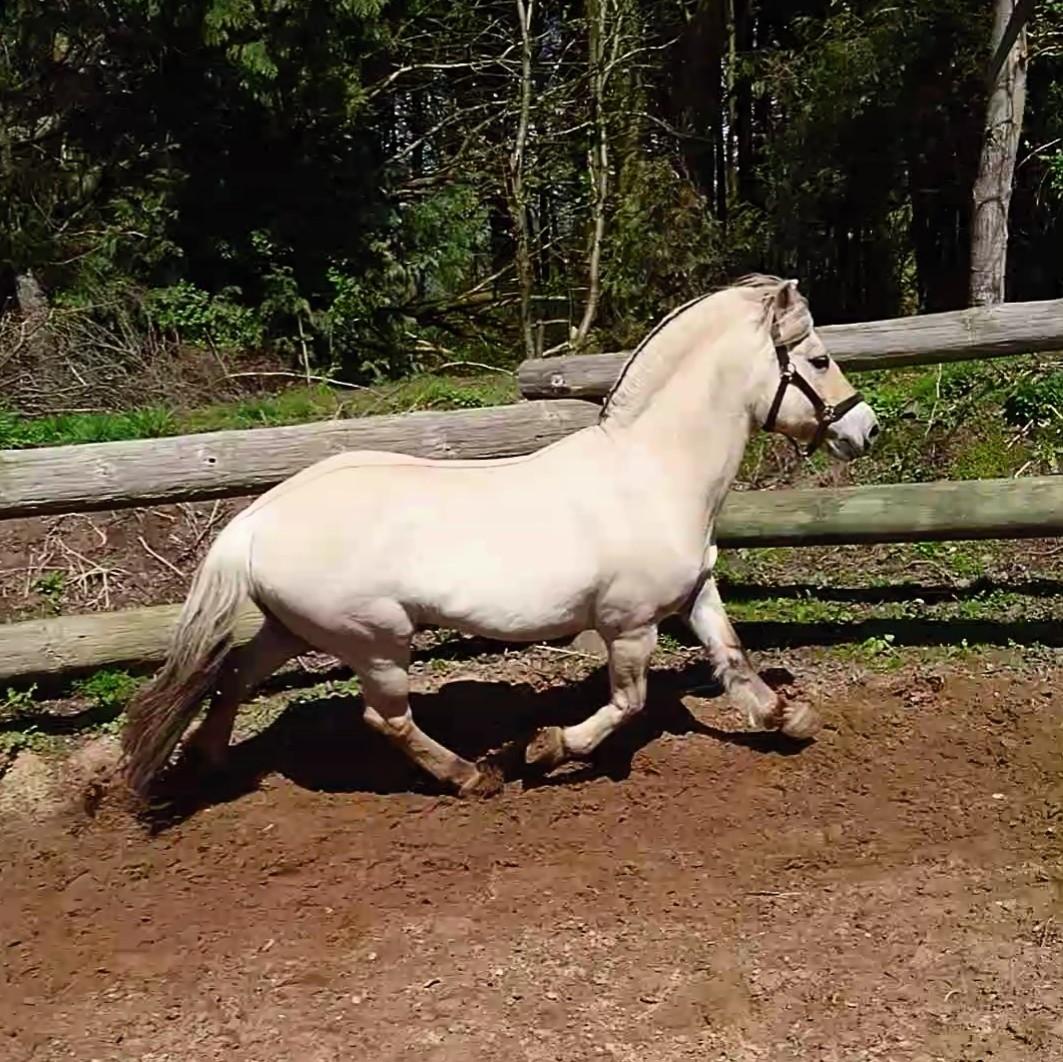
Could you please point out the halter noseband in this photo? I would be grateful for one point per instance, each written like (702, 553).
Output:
(826, 415)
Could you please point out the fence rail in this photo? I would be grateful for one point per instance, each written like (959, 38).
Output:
(962, 335)
(1010, 508)
(87, 478)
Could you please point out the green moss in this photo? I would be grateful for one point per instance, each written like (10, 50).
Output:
(988, 456)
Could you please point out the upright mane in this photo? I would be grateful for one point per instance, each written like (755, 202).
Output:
(654, 360)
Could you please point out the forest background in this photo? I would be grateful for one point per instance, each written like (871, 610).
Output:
(371, 189)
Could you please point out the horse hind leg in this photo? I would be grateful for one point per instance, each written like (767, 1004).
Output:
(384, 677)
(242, 670)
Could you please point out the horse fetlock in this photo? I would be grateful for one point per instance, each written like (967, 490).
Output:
(206, 750)
(546, 749)
(396, 728)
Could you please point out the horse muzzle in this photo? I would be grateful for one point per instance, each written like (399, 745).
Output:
(852, 435)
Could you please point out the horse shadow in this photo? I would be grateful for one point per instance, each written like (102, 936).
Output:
(323, 744)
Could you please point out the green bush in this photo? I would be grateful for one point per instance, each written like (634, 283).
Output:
(197, 316)
(1036, 401)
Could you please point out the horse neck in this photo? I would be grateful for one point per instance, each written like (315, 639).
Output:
(697, 426)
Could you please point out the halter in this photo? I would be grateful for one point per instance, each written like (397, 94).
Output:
(826, 415)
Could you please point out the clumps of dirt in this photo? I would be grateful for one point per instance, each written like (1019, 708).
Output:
(890, 890)
(38, 788)
(28, 787)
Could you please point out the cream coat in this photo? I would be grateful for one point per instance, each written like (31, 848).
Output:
(610, 529)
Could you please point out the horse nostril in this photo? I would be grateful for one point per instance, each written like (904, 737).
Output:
(874, 431)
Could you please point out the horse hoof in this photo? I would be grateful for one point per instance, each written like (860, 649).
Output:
(486, 782)
(546, 749)
(201, 763)
(800, 721)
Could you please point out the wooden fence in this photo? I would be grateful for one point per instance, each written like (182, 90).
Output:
(963, 335)
(218, 464)
(990, 508)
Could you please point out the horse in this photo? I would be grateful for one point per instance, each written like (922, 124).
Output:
(610, 529)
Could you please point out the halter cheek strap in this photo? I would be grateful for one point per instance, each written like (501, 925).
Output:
(825, 414)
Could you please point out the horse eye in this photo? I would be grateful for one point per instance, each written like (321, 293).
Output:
(820, 362)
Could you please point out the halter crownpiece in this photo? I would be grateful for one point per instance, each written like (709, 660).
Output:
(826, 414)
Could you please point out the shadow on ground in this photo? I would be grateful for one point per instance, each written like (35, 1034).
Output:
(324, 745)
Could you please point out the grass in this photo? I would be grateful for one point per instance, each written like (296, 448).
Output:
(956, 564)
(297, 405)
(986, 606)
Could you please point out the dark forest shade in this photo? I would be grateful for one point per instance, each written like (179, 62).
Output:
(345, 167)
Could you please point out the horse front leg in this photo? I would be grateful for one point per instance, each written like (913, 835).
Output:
(762, 706)
(629, 659)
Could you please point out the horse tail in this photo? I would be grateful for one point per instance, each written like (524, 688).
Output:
(158, 715)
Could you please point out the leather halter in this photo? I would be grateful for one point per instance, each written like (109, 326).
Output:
(826, 415)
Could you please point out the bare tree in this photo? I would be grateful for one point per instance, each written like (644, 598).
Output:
(599, 36)
(996, 169)
(515, 180)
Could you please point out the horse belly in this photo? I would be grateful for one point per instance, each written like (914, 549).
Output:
(509, 571)
(501, 593)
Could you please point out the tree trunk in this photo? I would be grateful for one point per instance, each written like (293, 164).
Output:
(602, 31)
(39, 341)
(517, 192)
(731, 185)
(744, 121)
(992, 186)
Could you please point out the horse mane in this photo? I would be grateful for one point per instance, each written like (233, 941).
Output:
(652, 362)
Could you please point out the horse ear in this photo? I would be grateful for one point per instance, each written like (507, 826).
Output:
(787, 300)
(786, 297)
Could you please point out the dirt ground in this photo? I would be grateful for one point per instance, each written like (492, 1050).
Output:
(89, 562)
(893, 890)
